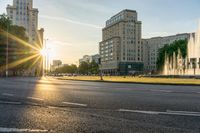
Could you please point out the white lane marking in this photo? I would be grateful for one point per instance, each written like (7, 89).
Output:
(168, 112)
(76, 104)
(7, 94)
(31, 103)
(35, 98)
(51, 107)
(6, 102)
(183, 113)
(8, 130)
(165, 91)
(139, 111)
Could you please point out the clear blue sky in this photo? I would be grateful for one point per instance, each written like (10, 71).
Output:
(73, 27)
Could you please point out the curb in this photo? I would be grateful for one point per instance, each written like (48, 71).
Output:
(120, 82)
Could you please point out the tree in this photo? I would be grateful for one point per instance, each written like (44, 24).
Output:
(73, 69)
(94, 67)
(84, 68)
(89, 68)
(4, 26)
(17, 50)
(67, 69)
(169, 50)
(4, 22)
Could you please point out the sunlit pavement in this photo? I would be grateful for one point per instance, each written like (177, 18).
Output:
(50, 105)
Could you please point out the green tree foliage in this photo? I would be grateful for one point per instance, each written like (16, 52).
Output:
(19, 32)
(94, 67)
(89, 68)
(17, 50)
(84, 68)
(4, 26)
(4, 22)
(67, 69)
(169, 50)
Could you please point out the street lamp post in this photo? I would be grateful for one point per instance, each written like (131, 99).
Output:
(100, 68)
(101, 75)
(7, 52)
(194, 67)
(45, 59)
(48, 61)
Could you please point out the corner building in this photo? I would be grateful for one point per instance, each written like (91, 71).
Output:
(121, 49)
(23, 14)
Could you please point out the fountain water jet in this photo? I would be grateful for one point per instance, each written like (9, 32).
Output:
(177, 65)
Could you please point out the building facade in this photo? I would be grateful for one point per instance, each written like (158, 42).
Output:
(86, 58)
(56, 64)
(23, 14)
(151, 48)
(120, 48)
(96, 58)
(90, 58)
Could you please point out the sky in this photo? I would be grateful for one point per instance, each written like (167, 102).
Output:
(74, 27)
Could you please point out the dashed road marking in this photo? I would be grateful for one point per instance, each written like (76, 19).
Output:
(183, 113)
(76, 104)
(35, 98)
(33, 104)
(165, 91)
(168, 112)
(7, 94)
(52, 107)
(9, 130)
(139, 111)
(7, 102)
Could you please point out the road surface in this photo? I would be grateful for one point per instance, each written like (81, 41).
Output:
(58, 106)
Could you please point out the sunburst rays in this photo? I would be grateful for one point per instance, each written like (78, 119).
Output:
(20, 41)
(19, 62)
(31, 53)
(36, 61)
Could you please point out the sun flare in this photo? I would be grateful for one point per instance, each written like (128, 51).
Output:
(43, 52)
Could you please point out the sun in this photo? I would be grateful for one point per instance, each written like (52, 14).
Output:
(43, 52)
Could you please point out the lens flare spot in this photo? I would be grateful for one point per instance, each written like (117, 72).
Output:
(43, 52)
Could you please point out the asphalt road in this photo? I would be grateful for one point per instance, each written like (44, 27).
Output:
(58, 106)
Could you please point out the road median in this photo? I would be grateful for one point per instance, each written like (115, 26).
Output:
(135, 80)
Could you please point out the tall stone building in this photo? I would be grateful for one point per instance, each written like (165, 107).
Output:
(23, 14)
(121, 49)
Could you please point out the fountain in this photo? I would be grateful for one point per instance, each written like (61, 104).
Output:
(177, 65)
